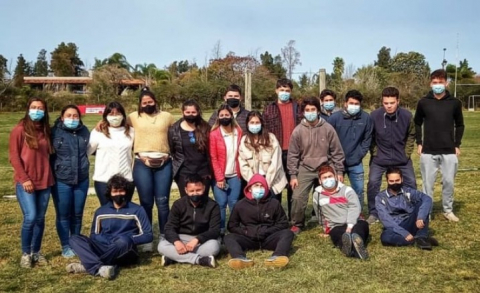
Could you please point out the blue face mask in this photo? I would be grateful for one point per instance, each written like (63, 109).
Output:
(254, 128)
(311, 116)
(284, 96)
(36, 114)
(258, 192)
(329, 106)
(71, 123)
(329, 183)
(438, 89)
(353, 109)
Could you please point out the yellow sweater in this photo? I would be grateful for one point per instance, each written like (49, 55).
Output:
(151, 131)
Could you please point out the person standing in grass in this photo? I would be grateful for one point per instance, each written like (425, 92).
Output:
(112, 143)
(71, 169)
(29, 153)
(118, 227)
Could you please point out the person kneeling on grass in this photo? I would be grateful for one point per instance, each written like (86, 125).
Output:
(404, 213)
(117, 228)
(258, 222)
(193, 228)
(339, 209)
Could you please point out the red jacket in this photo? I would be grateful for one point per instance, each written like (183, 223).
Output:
(218, 153)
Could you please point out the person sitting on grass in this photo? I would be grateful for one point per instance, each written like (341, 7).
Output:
(339, 209)
(404, 213)
(258, 222)
(193, 228)
(117, 228)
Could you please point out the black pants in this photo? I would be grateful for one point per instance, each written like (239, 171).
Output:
(180, 179)
(289, 188)
(361, 228)
(280, 242)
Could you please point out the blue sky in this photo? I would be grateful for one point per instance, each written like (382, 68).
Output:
(154, 31)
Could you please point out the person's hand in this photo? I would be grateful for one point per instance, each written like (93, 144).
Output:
(180, 247)
(340, 178)
(409, 238)
(294, 183)
(98, 126)
(349, 230)
(28, 186)
(221, 184)
(323, 235)
(192, 244)
(419, 149)
(420, 224)
(457, 151)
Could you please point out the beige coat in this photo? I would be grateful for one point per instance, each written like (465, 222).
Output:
(270, 161)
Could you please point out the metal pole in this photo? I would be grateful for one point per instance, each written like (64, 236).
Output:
(322, 80)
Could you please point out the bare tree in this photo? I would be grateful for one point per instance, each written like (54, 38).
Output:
(291, 57)
(217, 50)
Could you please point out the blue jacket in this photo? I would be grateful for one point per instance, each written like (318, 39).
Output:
(70, 163)
(392, 210)
(393, 138)
(355, 134)
(130, 220)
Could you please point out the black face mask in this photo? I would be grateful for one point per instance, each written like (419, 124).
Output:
(191, 118)
(149, 109)
(233, 103)
(119, 199)
(195, 198)
(225, 121)
(395, 187)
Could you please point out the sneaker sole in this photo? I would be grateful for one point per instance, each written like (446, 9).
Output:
(359, 246)
(347, 244)
(238, 264)
(278, 262)
(111, 273)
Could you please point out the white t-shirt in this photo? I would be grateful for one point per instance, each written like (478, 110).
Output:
(231, 148)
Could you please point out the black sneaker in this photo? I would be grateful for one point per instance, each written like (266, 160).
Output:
(359, 246)
(423, 243)
(207, 261)
(433, 241)
(347, 244)
(166, 261)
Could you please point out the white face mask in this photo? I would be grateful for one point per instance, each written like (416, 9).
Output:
(115, 121)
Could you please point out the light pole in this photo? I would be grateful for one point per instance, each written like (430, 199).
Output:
(444, 62)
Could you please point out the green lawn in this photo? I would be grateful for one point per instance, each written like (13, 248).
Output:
(314, 265)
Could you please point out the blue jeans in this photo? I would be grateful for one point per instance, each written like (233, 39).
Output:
(153, 184)
(69, 201)
(356, 178)
(34, 207)
(101, 190)
(227, 197)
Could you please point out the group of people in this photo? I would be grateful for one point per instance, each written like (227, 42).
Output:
(247, 158)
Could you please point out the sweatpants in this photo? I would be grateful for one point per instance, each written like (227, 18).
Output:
(306, 181)
(210, 247)
(361, 228)
(94, 254)
(280, 242)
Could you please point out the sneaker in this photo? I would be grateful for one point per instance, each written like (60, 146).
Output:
(240, 263)
(296, 230)
(67, 252)
(107, 272)
(39, 259)
(359, 246)
(26, 261)
(372, 220)
(276, 261)
(207, 261)
(423, 243)
(433, 241)
(148, 247)
(451, 217)
(347, 244)
(76, 268)
(166, 261)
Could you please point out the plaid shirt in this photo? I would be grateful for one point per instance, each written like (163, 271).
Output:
(273, 120)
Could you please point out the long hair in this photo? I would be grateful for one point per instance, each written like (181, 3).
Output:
(146, 92)
(104, 124)
(263, 136)
(217, 121)
(202, 129)
(31, 130)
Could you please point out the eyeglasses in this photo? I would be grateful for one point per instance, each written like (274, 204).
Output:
(191, 135)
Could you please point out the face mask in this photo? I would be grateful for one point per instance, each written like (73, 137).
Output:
(284, 96)
(254, 128)
(149, 109)
(119, 199)
(329, 183)
(225, 121)
(190, 118)
(353, 109)
(258, 193)
(438, 89)
(71, 123)
(233, 103)
(396, 187)
(311, 116)
(115, 121)
(195, 198)
(35, 114)
(329, 106)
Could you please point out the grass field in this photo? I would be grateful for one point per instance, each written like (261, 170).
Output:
(314, 265)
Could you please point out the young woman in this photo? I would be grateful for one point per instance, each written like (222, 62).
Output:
(260, 153)
(152, 168)
(29, 150)
(112, 144)
(224, 142)
(188, 139)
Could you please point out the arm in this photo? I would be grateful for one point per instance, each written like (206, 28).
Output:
(173, 224)
(281, 222)
(171, 144)
(336, 152)
(276, 166)
(243, 155)
(93, 143)
(353, 207)
(213, 143)
(214, 226)
(212, 119)
(293, 157)
(425, 206)
(367, 137)
(386, 218)
(145, 234)
(410, 139)
(234, 222)
(418, 120)
(459, 125)
(15, 150)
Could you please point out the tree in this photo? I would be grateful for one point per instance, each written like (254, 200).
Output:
(117, 59)
(383, 58)
(22, 69)
(41, 66)
(150, 73)
(291, 57)
(106, 81)
(273, 64)
(337, 75)
(411, 62)
(217, 50)
(3, 67)
(65, 60)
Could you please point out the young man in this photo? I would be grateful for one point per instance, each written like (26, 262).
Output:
(233, 98)
(404, 213)
(313, 143)
(281, 117)
(328, 107)
(258, 222)
(117, 228)
(193, 228)
(442, 119)
(393, 142)
(354, 129)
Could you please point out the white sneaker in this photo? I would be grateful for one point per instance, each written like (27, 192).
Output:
(26, 261)
(107, 272)
(76, 268)
(147, 247)
(451, 217)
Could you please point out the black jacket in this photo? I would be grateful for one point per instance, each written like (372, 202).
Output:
(202, 221)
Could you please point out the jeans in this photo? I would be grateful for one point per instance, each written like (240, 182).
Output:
(34, 207)
(356, 178)
(101, 190)
(69, 201)
(228, 196)
(153, 184)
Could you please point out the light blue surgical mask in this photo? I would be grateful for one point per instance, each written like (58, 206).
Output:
(284, 96)
(311, 116)
(329, 106)
(71, 123)
(36, 114)
(254, 128)
(329, 183)
(353, 109)
(258, 192)
(438, 89)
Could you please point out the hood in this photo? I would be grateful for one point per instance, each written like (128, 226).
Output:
(324, 112)
(257, 178)
(430, 95)
(320, 122)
